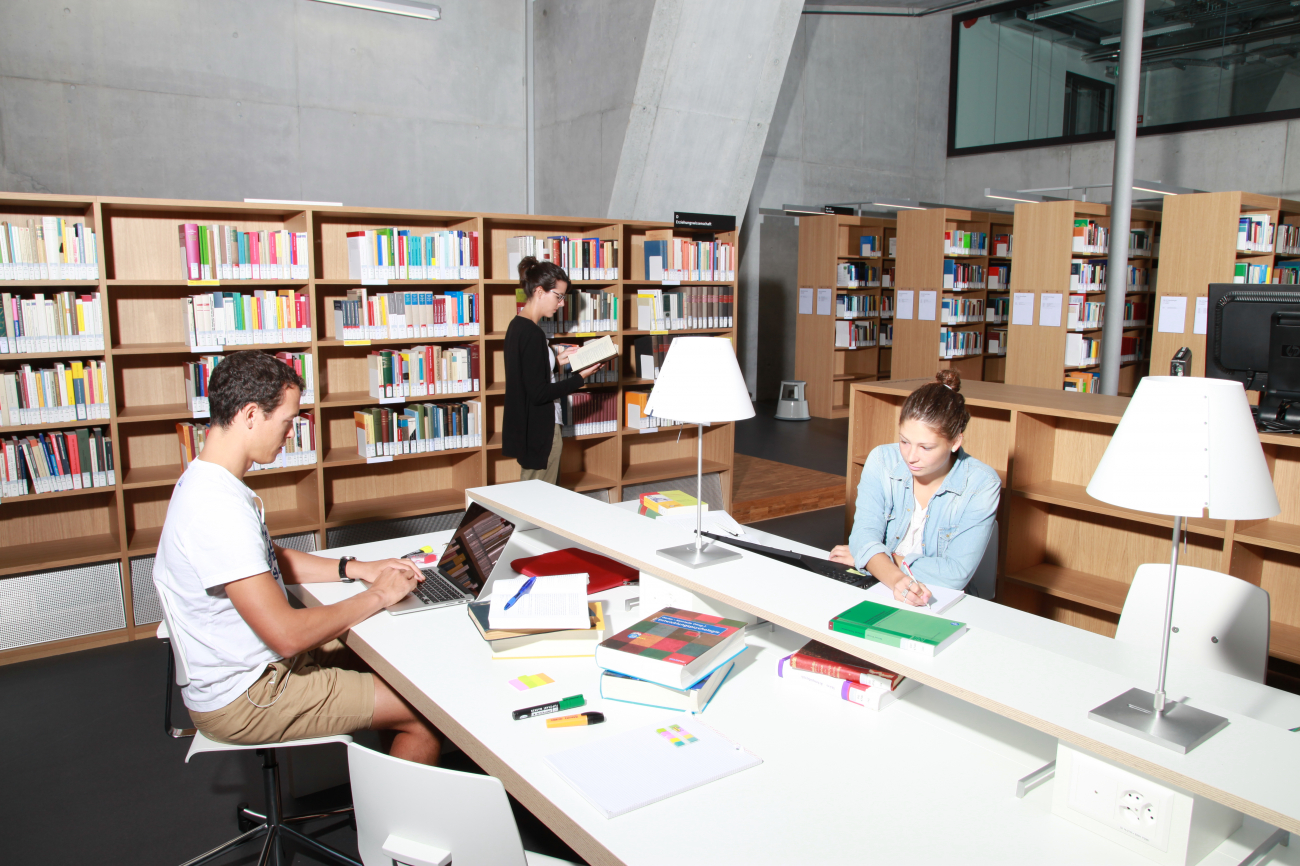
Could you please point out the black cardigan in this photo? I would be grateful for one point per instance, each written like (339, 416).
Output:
(529, 424)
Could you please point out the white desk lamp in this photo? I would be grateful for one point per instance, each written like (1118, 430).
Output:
(700, 383)
(1185, 447)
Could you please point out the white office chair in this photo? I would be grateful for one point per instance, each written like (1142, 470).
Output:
(984, 582)
(272, 825)
(415, 815)
(1219, 621)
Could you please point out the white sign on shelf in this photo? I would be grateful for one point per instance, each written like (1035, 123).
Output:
(1173, 315)
(1049, 310)
(1022, 308)
(385, 459)
(386, 400)
(805, 302)
(927, 300)
(825, 302)
(903, 299)
(1200, 320)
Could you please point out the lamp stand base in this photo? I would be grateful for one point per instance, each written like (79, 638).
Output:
(709, 554)
(1179, 727)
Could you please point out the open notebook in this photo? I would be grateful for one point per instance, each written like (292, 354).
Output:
(941, 598)
(647, 764)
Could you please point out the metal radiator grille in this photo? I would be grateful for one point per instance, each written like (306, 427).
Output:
(686, 484)
(598, 495)
(304, 541)
(382, 530)
(62, 603)
(144, 595)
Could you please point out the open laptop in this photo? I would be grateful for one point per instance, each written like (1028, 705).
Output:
(465, 565)
(824, 567)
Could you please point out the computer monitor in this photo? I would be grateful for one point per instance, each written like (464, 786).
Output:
(1254, 338)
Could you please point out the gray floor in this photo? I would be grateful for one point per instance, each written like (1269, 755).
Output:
(818, 443)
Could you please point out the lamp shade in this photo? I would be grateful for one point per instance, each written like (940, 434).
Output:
(699, 383)
(1183, 445)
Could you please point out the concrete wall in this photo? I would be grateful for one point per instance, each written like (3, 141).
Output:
(227, 99)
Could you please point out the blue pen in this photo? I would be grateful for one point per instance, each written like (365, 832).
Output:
(523, 590)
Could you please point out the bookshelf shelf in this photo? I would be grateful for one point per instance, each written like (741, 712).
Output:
(57, 494)
(411, 505)
(24, 357)
(1284, 641)
(583, 481)
(19, 558)
(52, 425)
(1076, 496)
(1077, 586)
(364, 398)
(660, 470)
(1271, 533)
(344, 456)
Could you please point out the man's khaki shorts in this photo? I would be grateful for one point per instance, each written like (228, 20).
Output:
(319, 699)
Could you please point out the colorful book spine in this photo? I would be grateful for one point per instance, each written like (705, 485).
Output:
(261, 317)
(402, 254)
(584, 312)
(418, 429)
(367, 315)
(48, 248)
(224, 252)
(66, 391)
(299, 447)
(56, 461)
(587, 412)
(423, 371)
(62, 322)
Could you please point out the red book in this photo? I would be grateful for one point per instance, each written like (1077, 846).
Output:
(602, 572)
(473, 366)
(819, 658)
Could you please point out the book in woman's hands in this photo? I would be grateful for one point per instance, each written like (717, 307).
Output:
(592, 352)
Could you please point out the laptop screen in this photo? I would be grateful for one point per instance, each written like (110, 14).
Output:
(475, 548)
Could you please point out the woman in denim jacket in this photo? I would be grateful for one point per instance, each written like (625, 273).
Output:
(925, 507)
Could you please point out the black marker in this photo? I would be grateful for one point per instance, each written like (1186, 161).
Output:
(547, 709)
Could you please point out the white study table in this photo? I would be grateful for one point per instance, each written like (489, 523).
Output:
(929, 780)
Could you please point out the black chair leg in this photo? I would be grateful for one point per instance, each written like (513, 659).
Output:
(173, 732)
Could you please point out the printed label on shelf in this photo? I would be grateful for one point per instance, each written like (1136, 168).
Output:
(385, 400)
(200, 413)
(385, 459)
(356, 342)
(374, 282)
(203, 282)
(208, 350)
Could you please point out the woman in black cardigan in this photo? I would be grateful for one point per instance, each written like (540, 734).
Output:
(531, 427)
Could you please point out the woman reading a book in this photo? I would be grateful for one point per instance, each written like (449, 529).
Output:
(531, 426)
(925, 507)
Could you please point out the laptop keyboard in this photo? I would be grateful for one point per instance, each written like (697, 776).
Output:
(435, 590)
(834, 571)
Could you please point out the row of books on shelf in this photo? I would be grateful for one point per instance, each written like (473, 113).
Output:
(199, 371)
(961, 311)
(581, 258)
(1084, 314)
(1002, 245)
(856, 275)
(48, 248)
(401, 254)
(299, 448)
(873, 247)
(1090, 236)
(861, 306)
(56, 461)
(265, 316)
(223, 252)
(66, 391)
(418, 429)
(1089, 275)
(685, 259)
(888, 277)
(686, 308)
(1284, 274)
(963, 243)
(862, 335)
(959, 275)
(638, 417)
(997, 342)
(1082, 381)
(997, 310)
(960, 344)
(586, 412)
(583, 312)
(367, 315)
(1256, 233)
(63, 322)
(1081, 351)
(423, 371)
(999, 278)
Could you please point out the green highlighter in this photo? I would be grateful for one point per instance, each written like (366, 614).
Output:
(905, 629)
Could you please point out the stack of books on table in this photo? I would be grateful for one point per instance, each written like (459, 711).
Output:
(668, 503)
(540, 643)
(820, 669)
(675, 659)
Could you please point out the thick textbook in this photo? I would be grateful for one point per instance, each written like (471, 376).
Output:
(692, 699)
(905, 629)
(602, 572)
(593, 352)
(672, 647)
(873, 697)
(818, 658)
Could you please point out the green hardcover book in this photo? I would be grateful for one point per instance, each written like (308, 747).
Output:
(906, 629)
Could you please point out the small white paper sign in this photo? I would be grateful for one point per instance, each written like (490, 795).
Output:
(903, 299)
(1173, 315)
(1049, 310)
(825, 302)
(925, 307)
(805, 302)
(1022, 308)
(1201, 320)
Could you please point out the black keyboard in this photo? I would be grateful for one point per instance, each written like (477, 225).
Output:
(820, 567)
(435, 589)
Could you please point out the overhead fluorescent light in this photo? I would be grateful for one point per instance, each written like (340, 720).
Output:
(1154, 31)
(1069, 7)
(803, 209)
(898, 203)
(1016, 195)
(409, 8)
(1163, 188)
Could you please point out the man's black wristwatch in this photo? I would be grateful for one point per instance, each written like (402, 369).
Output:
(343, 569)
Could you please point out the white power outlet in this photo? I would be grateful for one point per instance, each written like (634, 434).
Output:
(1165, 824)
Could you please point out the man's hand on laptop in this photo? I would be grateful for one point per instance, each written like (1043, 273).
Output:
(370, 571)
(394, 582)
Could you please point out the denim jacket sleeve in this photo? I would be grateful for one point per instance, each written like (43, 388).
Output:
(871, 512)
(953, 562)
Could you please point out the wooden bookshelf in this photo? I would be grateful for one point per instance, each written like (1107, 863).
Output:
(1200, 247)
(826, 242)
(1043, 257)
(1067, 556)
(141, 286)
(921, 260)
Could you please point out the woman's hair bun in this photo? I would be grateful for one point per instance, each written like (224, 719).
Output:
(950, 378)
(524, 264)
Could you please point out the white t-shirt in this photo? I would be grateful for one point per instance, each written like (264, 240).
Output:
(559, 412)
(913, 539)
(214, 534)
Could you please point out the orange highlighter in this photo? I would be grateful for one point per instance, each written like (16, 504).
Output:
(575, 720)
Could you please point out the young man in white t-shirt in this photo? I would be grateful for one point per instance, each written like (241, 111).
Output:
(260, 670)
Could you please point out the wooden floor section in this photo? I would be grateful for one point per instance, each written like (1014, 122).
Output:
(763, 489)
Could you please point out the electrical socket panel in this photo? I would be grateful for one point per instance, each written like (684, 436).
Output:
(657, 593)
(1161, 822)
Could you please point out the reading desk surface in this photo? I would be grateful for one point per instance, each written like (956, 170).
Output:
(929, 780)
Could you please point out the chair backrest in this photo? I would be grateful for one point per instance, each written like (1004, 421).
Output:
(1220, 621)
(464, 813)
(178, 651)
(984, 582)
